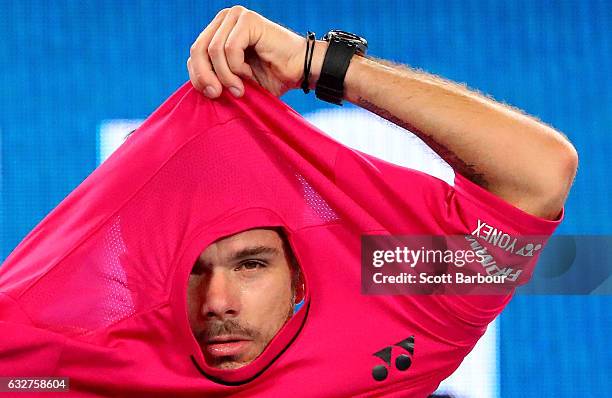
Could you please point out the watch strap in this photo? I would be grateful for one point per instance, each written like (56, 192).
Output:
(330, 86)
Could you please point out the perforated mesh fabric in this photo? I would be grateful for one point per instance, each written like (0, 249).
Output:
(99, 281)
(317, 208)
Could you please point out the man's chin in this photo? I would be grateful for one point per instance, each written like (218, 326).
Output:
(229, 363)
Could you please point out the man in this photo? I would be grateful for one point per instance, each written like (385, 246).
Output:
(104, 289)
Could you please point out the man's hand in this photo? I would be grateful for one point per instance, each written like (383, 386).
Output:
(239, 43)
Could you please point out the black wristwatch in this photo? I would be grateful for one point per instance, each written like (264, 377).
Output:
(342, 47)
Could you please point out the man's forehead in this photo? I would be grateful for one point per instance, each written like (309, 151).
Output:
(255, 240)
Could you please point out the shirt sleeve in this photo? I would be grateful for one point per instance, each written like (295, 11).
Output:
(404, 201)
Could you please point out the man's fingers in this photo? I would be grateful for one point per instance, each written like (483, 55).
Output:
(217, 50)
(243, 35)
(201, 72)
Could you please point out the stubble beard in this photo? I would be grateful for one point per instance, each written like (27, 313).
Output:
(219, 328)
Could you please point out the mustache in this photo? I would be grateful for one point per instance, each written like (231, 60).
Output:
(226, 327)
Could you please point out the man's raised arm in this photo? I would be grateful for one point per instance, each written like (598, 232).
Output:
(515, 156)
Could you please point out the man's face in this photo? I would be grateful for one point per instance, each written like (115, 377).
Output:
(239, 296)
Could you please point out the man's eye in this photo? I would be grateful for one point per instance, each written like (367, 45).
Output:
(250, 265)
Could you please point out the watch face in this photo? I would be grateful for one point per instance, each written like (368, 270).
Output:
(359, 42)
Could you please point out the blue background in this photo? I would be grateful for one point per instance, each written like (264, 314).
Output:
(67, 65)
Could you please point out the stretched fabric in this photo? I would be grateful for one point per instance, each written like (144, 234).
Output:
(97, 291)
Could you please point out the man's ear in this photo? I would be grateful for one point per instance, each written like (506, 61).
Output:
(299, 290)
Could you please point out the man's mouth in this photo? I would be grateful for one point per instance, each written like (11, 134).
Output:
(227, 345)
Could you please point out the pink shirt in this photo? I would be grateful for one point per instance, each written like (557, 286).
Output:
(97, 291)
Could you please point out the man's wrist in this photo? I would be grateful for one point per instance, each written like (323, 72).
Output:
(320, 49)
(317, 63)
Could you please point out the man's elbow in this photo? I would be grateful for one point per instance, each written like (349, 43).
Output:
(558, 180)
(570, 165)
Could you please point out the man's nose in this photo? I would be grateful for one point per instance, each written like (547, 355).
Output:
(221, 299)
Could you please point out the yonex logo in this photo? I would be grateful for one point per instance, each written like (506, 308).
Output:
(402, 361)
